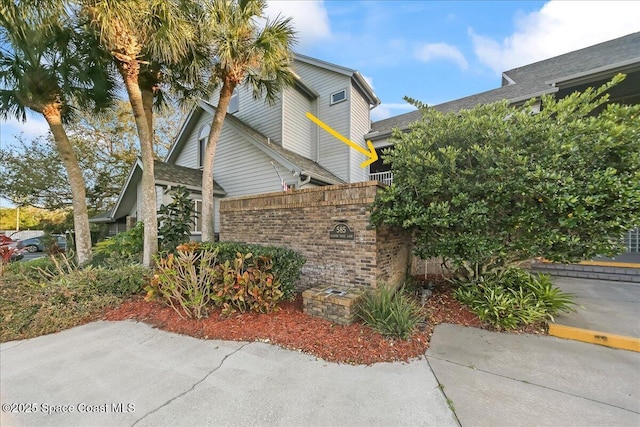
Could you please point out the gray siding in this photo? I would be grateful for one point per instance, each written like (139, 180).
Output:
(360, 125)
(333, 154)
(241, 168)
(297, 129)
(257, 113)
(188, 157)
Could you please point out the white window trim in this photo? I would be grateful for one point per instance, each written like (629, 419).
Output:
(332, 102)
(234, 102)
(203, 135)
(196, 227)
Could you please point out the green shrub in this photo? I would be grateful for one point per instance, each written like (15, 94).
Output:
(175, 220)
(389, 312)
(49, 294)
(184, 280)
(246, 283)
(287, 263)
(122, 281)
(32, 268)
(31, 306)
(122, 249)
(514, 298)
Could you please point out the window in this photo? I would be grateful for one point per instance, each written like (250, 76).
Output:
(197, 216)
(234, 102)
(203, 135)
(339, 96)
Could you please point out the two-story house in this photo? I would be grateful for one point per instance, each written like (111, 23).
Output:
(265, 148)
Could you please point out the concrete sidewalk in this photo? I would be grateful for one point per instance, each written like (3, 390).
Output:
(502, 379)
(127, 373)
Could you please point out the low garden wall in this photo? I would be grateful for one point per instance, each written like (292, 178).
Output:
(330, 227)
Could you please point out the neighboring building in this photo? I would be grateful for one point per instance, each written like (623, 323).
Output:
(562, 75)
(267, 148)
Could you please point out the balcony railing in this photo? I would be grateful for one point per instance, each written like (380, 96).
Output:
(384, 177)
(631, 240)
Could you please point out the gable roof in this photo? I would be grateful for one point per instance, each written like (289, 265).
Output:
(168, 174)
(293, 161)
(357, 78)
(165, 174)
(542, 77)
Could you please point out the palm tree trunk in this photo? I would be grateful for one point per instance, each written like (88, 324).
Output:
(129, 74)
(209, 158)
(78, 191)
(146, 90)
(147, 102)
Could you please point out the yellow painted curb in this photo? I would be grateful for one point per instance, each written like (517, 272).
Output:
(610, 264)
(593, 337)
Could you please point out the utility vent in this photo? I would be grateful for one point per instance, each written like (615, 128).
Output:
(339, 96)
(335, 292)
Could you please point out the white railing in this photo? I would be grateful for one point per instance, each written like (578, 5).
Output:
(384, 177)
(632, 240)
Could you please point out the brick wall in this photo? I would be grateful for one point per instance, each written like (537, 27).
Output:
(301, 220)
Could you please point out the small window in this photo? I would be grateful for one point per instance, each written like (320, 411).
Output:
(234, 102)
(203, 136)
(339, 96)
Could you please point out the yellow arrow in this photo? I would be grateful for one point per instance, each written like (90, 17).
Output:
(371, 153)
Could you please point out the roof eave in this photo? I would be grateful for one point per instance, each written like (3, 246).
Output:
(630, 65)
(183, 130)
(136, 164)
(362, 84)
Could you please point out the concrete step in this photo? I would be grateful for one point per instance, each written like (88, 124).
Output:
(588, 271)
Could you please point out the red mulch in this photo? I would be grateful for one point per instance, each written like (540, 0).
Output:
(292, 329)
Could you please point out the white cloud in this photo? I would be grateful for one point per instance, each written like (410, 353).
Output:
(434, 51)
(369, 81)
(384, 111)
(558, 27)
(34, 127)
(309, 18)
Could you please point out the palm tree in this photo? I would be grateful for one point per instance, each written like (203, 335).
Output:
(242, 53)
(47, 67)
(139, 34)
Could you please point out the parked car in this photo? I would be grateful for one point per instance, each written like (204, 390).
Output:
(36, 244)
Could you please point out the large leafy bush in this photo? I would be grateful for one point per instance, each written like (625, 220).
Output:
(192, 278)
(496, 184)
(246, 283)
(286, 263)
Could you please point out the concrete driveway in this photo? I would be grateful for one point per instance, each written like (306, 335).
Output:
(602, 305)
(496, 379)
(503, 379)
(127, 373)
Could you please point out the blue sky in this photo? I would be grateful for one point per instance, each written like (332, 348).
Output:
(434, 51)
